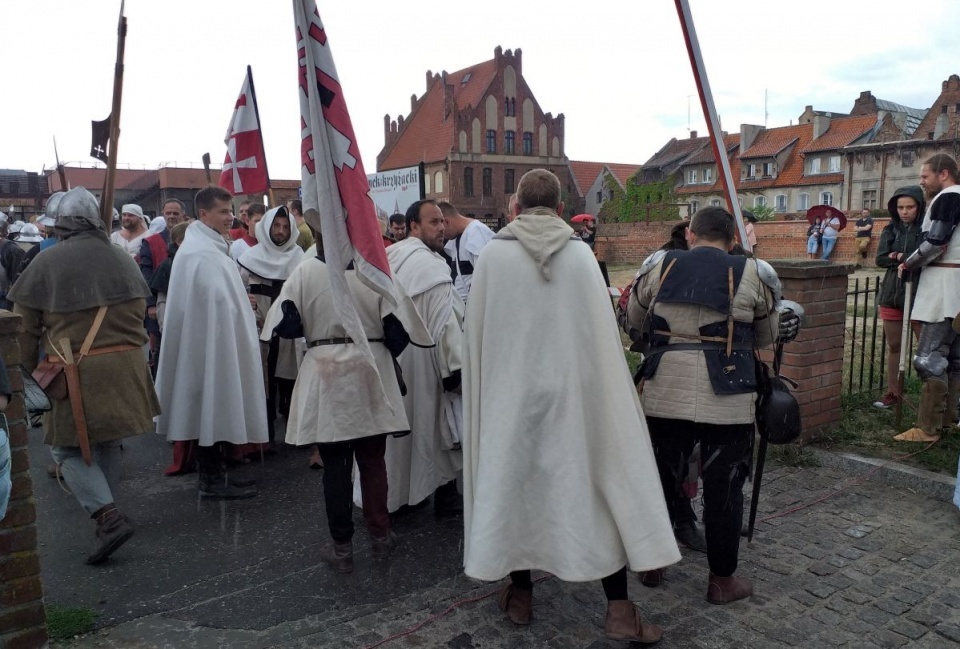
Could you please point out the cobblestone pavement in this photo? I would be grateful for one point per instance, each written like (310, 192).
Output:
(874, 566)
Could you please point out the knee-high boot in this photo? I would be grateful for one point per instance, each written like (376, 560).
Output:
(930, 414)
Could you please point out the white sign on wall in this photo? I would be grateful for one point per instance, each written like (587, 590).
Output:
(395, 190)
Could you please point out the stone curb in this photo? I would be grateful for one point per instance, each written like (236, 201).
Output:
(893, 474)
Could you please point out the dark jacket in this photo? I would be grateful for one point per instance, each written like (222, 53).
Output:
(901, 238)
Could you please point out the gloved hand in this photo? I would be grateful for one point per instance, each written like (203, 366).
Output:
(791, 320)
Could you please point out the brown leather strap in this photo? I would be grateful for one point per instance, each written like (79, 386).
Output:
(100, 351)
(944, 264)
(92, 334)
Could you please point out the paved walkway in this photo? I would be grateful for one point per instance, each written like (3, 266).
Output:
(875, 566)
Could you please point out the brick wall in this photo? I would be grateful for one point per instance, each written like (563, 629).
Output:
(631, 243)
(22, 616)
(815, 359)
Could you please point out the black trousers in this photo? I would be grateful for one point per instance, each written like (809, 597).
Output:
(279, 391)
(614, 586)
(725, 455)
(338, 486)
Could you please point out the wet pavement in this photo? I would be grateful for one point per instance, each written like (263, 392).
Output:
(872, 566)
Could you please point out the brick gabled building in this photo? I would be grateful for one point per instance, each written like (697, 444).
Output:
(789, 168)
(591, 182)
(476, 131)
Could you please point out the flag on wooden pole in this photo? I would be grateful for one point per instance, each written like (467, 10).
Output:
(245, 166)
(336, 195)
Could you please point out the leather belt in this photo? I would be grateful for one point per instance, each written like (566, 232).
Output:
(944, 264)
(338, 341)
(99, 351)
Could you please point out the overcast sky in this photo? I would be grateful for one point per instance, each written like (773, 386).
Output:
(617, 70)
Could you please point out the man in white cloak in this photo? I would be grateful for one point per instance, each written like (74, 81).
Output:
(210, 379)
(559, 473)
(428, 460)
(341, 402)
(264, 268)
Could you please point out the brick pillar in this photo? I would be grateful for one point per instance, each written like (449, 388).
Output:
(22, 616)
(815, 359)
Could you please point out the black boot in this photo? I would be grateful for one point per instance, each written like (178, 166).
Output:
(216, 485)
(447, 501)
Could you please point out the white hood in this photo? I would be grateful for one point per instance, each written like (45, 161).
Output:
(267, 259)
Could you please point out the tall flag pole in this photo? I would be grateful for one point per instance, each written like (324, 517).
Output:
(710, 114)
(245, 165)
(336, 195)
(106, 201)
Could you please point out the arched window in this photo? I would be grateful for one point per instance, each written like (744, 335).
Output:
(527, 143)
(781, 203)
(826, 198)
(694, 207)
(438, 182)
(487, 181)
(759, 201)
(509, 142)
(803, 201)
(491, 141)
(468, 181)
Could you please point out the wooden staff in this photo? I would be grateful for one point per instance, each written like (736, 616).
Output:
(60, 170)
(904, 343)
(106, 201)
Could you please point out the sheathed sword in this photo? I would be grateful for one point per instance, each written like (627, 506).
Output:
(761, 456)
(72, 372)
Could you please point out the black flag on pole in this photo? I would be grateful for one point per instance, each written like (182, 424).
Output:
(101, 137)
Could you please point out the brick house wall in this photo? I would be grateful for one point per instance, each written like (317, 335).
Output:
(631, 243)
(22, 614)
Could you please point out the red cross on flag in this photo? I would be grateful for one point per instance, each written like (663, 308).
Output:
(245, 167)
(336, 195)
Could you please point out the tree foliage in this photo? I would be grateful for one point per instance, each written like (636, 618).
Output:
(647, 202)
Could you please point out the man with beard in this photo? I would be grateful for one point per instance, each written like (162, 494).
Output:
(558, 470)
(304, 235)
(427, 460)
(133, 229)
(210, 378)
(937, 357)
(264, 268)
(83, 301)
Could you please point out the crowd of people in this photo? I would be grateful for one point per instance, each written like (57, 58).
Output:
(556, 458)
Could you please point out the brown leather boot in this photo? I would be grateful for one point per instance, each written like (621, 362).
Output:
(653, 578)
(930, 414)
(338, 555)
(113, 530)
(623, 623)
(723, 590)
(517, 603)
(383, 548)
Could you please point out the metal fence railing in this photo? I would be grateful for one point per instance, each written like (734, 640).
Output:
(865, 345)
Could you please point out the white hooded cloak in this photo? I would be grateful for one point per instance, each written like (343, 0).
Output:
(422, 461)
(559, 473)
(210, 378)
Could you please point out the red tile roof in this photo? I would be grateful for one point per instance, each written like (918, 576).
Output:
(584, 173)
(842, 132)
(622, 172)
(772, 141)
(425, 136)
